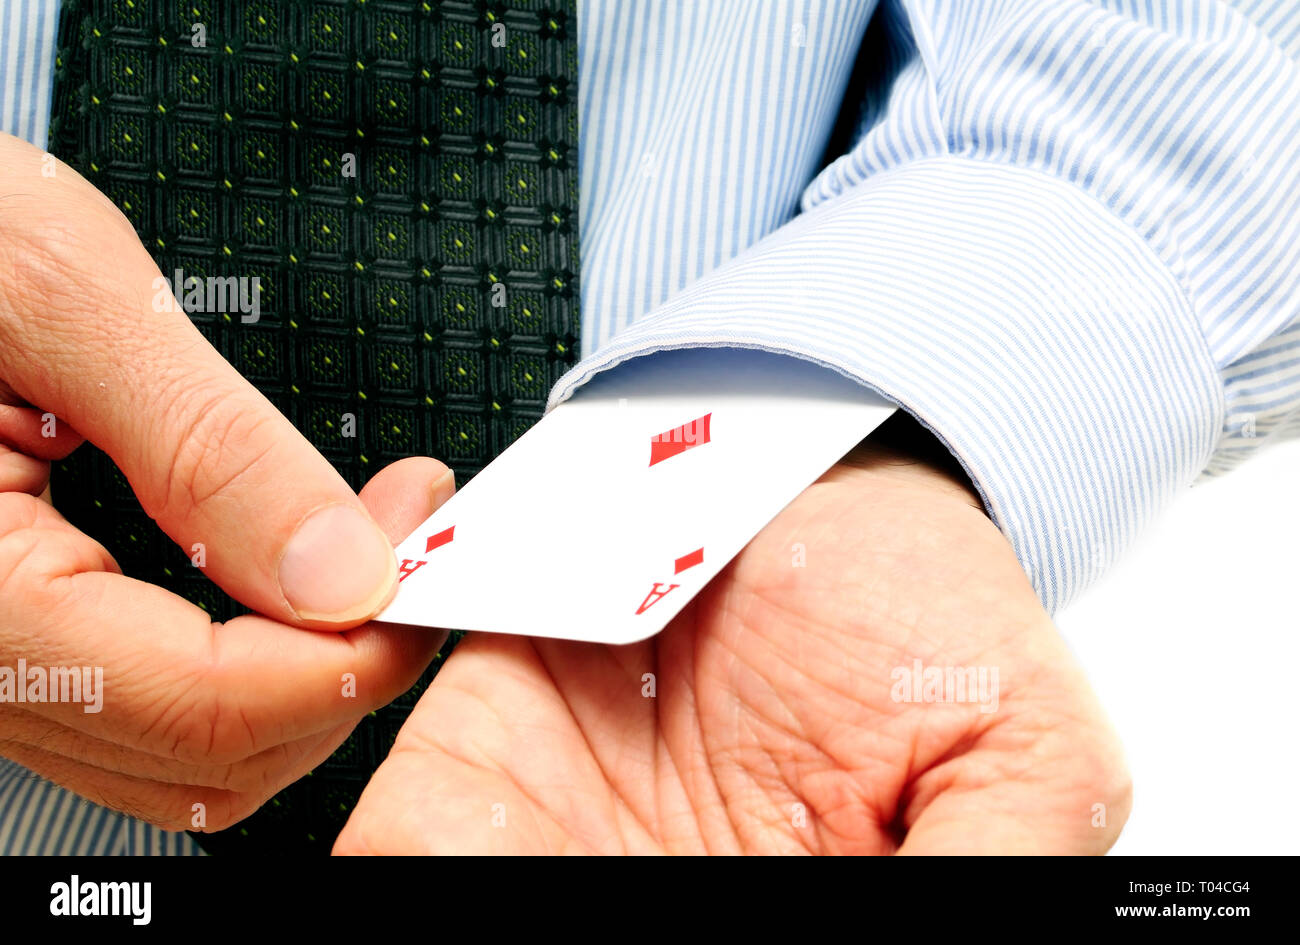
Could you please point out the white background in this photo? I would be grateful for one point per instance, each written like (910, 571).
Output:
(1192, 643)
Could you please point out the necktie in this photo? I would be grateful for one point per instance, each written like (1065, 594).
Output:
(400, 179)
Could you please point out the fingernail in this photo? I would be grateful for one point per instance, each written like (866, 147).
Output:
(338, 567)
(444, 488)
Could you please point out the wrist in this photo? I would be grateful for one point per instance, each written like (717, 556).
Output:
(904, 453)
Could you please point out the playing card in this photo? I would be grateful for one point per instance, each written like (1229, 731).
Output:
(606, 518)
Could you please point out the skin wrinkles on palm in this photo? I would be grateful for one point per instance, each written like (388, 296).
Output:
(772, 728)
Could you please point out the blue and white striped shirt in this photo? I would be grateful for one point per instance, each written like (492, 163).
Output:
(1065, 234)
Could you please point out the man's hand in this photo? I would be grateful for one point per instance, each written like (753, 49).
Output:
(768, 717)
(193, 713)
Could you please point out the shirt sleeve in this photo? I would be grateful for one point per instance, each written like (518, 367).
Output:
(1065, 237)
(27, 51)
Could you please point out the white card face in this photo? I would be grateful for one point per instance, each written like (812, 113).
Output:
(604, 520)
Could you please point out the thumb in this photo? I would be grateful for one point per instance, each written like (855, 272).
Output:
(82, 334)
(1048, 778)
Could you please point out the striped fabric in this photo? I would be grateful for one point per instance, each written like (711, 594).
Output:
(38, 818)
(1065, 235)
(27, 47)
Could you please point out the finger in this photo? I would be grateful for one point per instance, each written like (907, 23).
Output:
(403, 495)
(257, 773)
(18, 512)
(90, 332)
(400, 497)
(36, 433)
(36, 539)
(170, 806)
(198, 692)
(202, 692)
(22, 473)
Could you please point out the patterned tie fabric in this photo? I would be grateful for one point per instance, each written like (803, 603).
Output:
(401, 180)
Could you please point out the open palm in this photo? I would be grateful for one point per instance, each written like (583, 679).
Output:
(767, 717)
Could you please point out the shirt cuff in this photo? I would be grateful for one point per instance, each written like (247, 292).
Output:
(1036, 334)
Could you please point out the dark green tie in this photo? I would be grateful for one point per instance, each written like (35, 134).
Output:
(401, 178)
